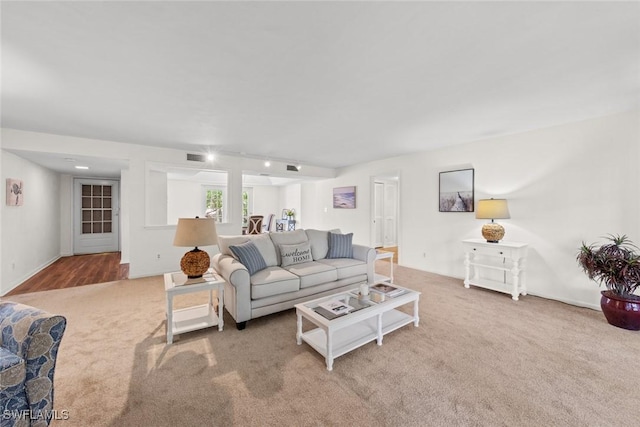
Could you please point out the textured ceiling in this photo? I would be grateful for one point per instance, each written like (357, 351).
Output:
(323, 83)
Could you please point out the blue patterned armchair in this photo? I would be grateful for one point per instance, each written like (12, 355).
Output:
(29, 342)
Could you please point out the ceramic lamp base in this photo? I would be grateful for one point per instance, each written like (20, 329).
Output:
(493, 232)
(195, 263)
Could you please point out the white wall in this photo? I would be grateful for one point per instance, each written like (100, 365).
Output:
(564, 184)
(186, 200)
(266, 200)
(145, 245)
(291, 198)
(125, 203)
(30, 233)
(157, 198)
(66, 215)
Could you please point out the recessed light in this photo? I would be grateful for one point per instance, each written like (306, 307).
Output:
(210, 157)
(267, 163)
(82, 167)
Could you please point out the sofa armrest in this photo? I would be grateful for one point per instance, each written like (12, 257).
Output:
(35, 336)
(237, 296)
(231, 270)
(368, 255)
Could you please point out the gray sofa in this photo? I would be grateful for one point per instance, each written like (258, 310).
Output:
(298, 266)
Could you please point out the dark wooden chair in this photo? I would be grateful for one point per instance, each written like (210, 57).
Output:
(255, 224)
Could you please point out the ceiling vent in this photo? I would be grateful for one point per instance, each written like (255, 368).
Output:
(196, 157)
(292, 168)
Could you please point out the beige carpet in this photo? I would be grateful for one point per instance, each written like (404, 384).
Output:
(477, 359)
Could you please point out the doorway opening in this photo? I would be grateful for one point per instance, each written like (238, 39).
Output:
(385, 213)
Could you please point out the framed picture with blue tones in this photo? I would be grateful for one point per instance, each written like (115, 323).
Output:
(456, 191)
(344, 197)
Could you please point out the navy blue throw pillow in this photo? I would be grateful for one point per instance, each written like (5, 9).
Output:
(249, 255)
(340, 245)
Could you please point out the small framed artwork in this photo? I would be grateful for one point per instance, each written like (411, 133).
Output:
(456, 191)
(14, 192)
(344, 197)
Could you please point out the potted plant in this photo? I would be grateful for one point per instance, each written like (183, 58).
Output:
(291, 213)
(616, 265)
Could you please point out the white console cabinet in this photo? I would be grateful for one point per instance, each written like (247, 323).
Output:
(506, 257)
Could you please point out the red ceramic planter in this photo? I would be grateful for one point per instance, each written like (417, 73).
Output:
(620, 311)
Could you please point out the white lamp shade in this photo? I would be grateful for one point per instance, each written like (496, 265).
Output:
(192, 232)
(492, 209)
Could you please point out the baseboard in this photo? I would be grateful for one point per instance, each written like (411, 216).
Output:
(567, 301)
(540, 295)
(28, 276)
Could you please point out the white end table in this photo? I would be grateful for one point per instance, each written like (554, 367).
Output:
(196, 317)
(381, 277)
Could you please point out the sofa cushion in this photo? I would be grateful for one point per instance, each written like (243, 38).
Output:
(225, 241)
(346, 267)
(287, 238)
(340, 245)
(262, 241)
(273, 281)
(248, 254)
(295, 254)
(319, 241)
(313, 273)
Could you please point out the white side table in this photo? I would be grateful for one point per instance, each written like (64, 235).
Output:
(196, 317)
(514, 252)
(380, 277)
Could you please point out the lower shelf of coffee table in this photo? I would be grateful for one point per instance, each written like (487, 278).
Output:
(357, 334)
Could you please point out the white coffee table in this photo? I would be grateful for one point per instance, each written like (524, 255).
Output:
(334, 337)
(196, 317)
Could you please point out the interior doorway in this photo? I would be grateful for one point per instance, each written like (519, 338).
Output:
(385, 211)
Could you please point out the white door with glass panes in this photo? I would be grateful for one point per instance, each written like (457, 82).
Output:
(96, 216)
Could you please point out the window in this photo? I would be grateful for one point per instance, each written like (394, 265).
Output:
(214, 202)
(247, 205)
(180, 192)
(96, 209)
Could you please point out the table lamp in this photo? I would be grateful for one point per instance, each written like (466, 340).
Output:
(492, 209)
(195, 232)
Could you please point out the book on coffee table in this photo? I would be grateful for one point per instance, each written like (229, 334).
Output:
(386, 289)
(336, 306)
(353, 303)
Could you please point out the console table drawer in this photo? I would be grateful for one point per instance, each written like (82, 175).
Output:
(483, 250)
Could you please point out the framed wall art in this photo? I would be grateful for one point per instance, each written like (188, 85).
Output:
(14, 192)
(456, 191)
(344, 197)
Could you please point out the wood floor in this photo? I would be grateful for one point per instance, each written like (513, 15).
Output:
(71, 271)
